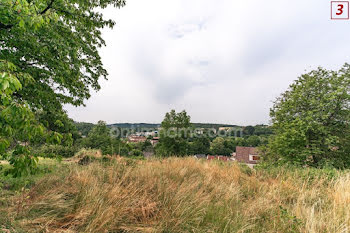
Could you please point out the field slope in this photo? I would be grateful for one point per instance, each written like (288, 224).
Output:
(180, 195)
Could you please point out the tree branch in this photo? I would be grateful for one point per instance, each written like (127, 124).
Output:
(47, 8)
(4, 26)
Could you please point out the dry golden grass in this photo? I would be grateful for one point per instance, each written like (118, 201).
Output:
(183, 195)
(88, 152)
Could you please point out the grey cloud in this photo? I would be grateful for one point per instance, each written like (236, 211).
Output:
(214, 60)
(170, 92)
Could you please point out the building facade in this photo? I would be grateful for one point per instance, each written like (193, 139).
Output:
(248, 155)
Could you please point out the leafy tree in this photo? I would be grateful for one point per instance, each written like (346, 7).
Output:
(146, 146)
(231, 143)
(173, 136)
(84, 128)
(253, 141)
(200, 145)
(249, 130)
(172, 146)
(311, 120)
(48, 57)
(58, 43)
(18, 124)
(263, 130)
(173, 120)
(219, 147)
(240, 142)
(100, 138)
(61, 123)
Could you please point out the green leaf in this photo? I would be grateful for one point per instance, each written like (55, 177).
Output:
(5, 84)
(21, 23)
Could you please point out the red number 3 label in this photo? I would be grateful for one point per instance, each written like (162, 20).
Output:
(340, 9)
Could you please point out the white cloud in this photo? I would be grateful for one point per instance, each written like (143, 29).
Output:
(223, 61)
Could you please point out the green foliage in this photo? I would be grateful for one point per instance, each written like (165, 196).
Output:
(253, 141)
(59, 43)
(219, 147)
(84, 128)
(48, 57)
(311, 120)
(100, 138)
(245, 169)
(18, 124)
(136, 153)
(173, 120)
(173, 136)
(44, 166)
(55, 151)
(172, 146)
(308, 174)
(124, 150)
(200, 145)
(23, 165)
(147, 146)
(249, 130)
(61, 123)
(263, 130)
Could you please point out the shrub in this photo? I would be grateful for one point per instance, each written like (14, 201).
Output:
(136, 153)
(55, 151)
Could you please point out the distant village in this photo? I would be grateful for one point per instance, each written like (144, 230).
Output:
(248, 155)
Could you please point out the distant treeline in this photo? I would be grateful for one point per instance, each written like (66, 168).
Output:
(135, 125)
(84, 128)
(147, 125)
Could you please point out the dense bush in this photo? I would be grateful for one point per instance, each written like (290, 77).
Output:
(136, 153)
(55, 151)
(100, 137)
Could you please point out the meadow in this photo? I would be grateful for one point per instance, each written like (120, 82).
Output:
(174, 195)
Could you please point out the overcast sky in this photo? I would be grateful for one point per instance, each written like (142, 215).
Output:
(223, 61)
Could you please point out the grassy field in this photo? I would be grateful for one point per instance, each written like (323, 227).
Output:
(174, 195)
